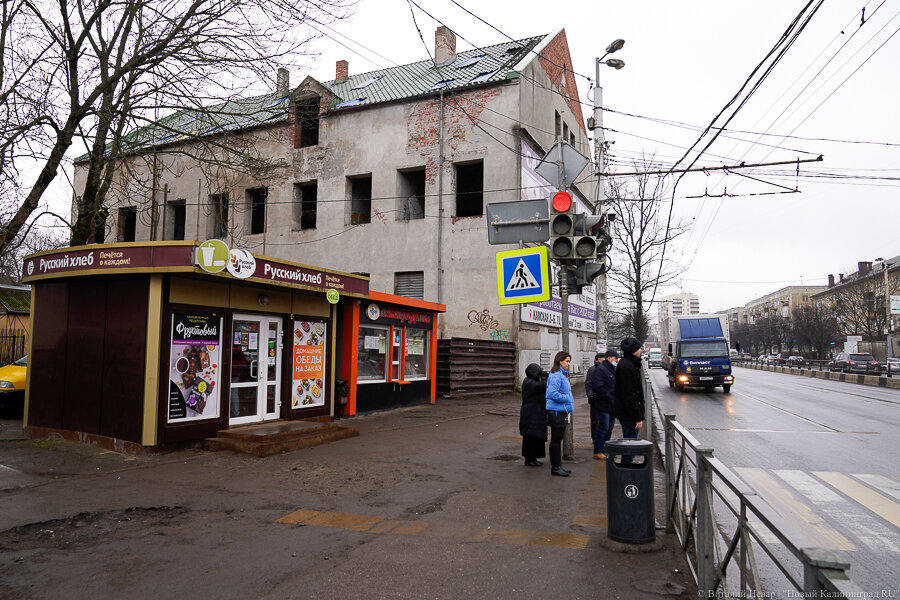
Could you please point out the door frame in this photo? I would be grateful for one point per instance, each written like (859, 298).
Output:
(261, 415)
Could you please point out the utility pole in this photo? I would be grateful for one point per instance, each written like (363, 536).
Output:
(600, 165)
(568, 438)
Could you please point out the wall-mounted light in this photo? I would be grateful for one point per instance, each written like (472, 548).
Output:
(263, 300)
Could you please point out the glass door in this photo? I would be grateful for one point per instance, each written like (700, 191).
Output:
(255, 369)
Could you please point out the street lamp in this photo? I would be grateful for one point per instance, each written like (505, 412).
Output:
(887, 307)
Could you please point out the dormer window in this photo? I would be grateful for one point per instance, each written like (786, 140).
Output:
(307, 115)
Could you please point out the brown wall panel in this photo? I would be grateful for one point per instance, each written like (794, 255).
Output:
(84, 356)
(47, 363)
(122, 405)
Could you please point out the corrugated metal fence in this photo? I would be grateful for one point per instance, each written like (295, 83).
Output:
(467, 367)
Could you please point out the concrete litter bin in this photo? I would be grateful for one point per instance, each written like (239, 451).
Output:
(629, 491)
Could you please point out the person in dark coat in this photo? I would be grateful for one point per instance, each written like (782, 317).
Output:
(629, 395)
(532, 416)
(603, 409)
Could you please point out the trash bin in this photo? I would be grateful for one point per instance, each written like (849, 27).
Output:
(629, 491)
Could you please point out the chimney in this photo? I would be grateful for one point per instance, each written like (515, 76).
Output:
(444, 46)
(864, 267)
(830, 280)
(283, 82)
(341, 70)
(841, 275)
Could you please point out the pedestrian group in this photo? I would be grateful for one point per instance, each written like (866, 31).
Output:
(614, 391)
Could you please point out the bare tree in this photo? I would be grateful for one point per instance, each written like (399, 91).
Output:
(639, 235)
(95, 72)
(816, 328)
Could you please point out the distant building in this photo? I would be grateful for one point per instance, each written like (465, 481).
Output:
(858, 299)
(678, 304)
(780, 303)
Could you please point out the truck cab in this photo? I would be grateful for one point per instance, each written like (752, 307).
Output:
(654, 358)
(696, 353)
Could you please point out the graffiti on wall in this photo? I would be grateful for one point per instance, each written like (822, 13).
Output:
(484, 320)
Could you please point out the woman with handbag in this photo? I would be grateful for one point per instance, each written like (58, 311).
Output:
(532, 416)
(560, 404)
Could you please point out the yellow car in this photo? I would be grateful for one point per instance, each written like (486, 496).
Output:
(12, 387)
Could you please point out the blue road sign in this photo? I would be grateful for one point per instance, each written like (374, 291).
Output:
(523, 276)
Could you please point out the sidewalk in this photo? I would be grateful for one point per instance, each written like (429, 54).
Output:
(429, 502)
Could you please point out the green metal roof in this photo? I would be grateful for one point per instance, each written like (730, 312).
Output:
(478, 67)
(15, 300)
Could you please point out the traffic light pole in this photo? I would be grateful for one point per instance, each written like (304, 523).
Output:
(599, 160)
(568, 439)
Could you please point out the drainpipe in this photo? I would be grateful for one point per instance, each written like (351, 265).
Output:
(440, 238)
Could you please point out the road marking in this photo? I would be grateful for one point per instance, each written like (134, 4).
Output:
(10, 469)
(882, 506)
(883, 484)
(861, 524)
(353, 522)
(529, 537)
(793, 511)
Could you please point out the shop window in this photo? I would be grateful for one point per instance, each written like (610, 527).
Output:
(307, 116)
(470, 189)
(360, 200)
(410, 284)
(372, 354)
(416, 361)
(306, 197)
(176, 213)
(127, 224)
(256, 200)
(412, 194)
(219, 220)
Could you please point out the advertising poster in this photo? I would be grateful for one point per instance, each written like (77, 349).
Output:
(308, 379)
(194, 359)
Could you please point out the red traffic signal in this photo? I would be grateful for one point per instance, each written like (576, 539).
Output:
(562, 201)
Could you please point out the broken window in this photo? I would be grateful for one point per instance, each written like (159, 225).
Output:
(412, 194)
(558, 123)
(565, 135)
(176, 213)
(256, 199)
(470, 189)
(219, 221)
(305, 205)
(572, 137)
(127, 224)
(308, 122)
(410, 284)
(360, 199)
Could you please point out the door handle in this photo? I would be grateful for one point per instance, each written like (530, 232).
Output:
(254, 365)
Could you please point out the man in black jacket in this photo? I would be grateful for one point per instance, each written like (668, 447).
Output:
(603, 383)
(629, 395)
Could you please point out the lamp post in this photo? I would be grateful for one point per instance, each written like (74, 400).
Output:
(887, 308)
(600, 164)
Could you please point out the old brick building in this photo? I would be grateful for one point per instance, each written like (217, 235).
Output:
(384, 173)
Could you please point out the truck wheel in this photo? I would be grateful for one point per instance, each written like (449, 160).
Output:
(679, 387)
(726, 388)
(671, 383)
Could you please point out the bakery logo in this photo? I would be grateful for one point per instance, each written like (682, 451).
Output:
(30, 267)
(241, 263)
(373, 312)
(212, 256)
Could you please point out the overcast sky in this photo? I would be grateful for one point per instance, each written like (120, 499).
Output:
(684, 61)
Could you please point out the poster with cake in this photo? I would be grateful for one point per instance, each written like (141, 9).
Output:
(194, 359)
(308, 380)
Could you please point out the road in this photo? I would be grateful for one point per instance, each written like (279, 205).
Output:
(823, 453)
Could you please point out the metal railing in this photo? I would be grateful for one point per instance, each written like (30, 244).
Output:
(726, 529)
(887, 370)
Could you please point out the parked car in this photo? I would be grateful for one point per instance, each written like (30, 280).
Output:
(781, 358)
(796, 361)
(745, 357)
(12, 387)
(856, 362)
(762, 359)
(893, 366)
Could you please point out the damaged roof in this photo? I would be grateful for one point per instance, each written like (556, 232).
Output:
(478, 67)
(15, 300)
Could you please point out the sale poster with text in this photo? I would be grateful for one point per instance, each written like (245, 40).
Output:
(308, 379)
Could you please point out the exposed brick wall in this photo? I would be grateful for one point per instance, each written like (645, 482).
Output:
(552, 59)
(460, 111)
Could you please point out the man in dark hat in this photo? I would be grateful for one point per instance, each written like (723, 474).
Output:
(603, 383)
(629, 389)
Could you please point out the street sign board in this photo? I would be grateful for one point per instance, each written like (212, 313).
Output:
(574, 163)
(523, 276)
(518, 221)
(895, 305)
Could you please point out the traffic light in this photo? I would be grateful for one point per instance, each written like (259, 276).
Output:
(562, 227)
(586, 272)
(586, 245)
(573, 288)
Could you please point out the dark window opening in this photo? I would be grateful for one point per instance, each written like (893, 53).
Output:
(127, 224)
(572, 137)
(558, 124)
(470, 190)
(308, 121)
(176, 213)
(219, 221)
(565, 135)
(360, 200)
(410, 284)
(256, 198)
(305, 205)
(412, 194)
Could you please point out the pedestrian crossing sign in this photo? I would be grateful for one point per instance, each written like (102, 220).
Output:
(523, 276)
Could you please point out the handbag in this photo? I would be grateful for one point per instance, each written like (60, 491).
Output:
(557, 419)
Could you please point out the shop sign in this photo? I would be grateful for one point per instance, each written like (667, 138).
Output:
(212, 256)
(294, 274)
(332, 296)
(582, 316)
(100, 259)
(241, 263)
(388, 315)
(194, 360)
(308, 378)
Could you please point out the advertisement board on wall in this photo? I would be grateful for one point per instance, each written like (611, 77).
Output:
(582, 311)
(308, 359)
(194, 359)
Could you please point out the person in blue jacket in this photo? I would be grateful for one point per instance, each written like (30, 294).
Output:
(560, 404)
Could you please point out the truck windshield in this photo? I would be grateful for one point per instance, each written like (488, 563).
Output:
(712, 349)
